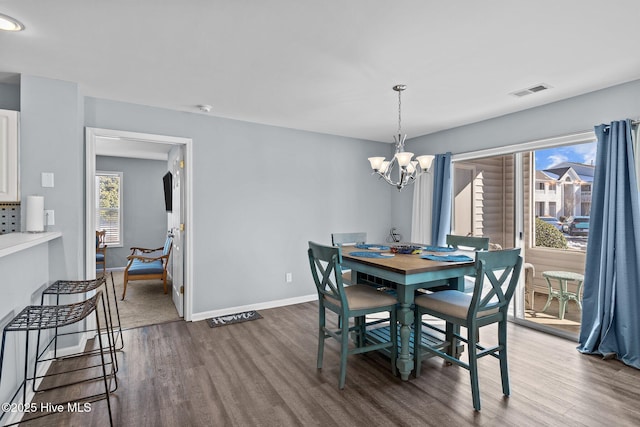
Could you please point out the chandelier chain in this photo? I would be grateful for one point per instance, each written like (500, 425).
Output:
(399, 113)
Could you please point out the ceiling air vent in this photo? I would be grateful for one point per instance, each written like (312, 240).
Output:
(530, 90)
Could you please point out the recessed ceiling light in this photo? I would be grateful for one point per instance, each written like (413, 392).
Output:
(8, 23)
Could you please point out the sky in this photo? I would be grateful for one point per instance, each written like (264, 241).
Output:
(551, 157)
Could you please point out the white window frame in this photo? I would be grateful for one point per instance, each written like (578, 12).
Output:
(119, 243)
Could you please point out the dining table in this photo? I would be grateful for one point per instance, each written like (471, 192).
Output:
(406, 273)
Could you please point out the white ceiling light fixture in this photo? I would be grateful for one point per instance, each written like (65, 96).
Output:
(407, 169)
(205, 108)
(8, 23)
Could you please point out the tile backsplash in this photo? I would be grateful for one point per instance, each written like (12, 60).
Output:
(9, 217)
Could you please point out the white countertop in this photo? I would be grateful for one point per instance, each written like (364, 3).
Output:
(11, 243)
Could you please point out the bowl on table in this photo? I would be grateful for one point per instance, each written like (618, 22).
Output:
(406, 249)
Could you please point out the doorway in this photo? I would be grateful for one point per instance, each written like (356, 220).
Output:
(145, 146)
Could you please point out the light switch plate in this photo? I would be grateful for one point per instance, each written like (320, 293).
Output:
(49, 217)
(47, 179)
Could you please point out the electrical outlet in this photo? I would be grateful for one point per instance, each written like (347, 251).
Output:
(288, 277)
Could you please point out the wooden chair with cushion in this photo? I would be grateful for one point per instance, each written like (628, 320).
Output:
(497, 274)
(101, 250)
(343, 239)
(148, 264)
(355, 301)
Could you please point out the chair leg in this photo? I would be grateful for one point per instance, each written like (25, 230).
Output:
(473, 365)
(344, 352)
(321, 335)
(126, 279)
(532, 299)
(104, 368)
(504, 365)
(417, 341)
(360, 323)
(164, 280)
(452, 340)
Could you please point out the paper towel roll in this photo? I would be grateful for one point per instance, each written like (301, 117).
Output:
(35, 213)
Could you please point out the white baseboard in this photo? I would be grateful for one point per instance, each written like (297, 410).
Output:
(260, 306)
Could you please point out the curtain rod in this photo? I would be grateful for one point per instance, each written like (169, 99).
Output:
(633, 123)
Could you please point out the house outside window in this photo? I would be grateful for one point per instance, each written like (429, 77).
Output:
(109, 206)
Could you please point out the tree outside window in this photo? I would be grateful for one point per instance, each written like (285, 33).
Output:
(109, 206)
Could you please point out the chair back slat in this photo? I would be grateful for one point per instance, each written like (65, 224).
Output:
(326, 271)
(497, 274)
(473, 242)
(167, 246)
(340, 239)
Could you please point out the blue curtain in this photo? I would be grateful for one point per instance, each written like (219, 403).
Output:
(442, 189)
(611, 302)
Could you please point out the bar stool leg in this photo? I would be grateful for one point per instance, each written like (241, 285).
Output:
(104, 368)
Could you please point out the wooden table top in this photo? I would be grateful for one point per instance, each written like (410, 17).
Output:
(403, 264)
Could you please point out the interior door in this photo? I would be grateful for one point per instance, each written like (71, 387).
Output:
(176, 161)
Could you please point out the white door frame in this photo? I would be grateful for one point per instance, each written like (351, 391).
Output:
(91, 134)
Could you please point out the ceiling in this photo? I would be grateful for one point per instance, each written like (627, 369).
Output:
(328, 66)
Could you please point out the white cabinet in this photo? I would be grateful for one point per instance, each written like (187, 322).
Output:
(9, 191)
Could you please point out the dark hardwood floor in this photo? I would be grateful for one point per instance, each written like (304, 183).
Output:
(263, 373)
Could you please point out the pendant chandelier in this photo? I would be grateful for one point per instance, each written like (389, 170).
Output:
(401, 170)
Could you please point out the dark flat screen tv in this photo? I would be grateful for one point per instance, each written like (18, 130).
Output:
(167, 180)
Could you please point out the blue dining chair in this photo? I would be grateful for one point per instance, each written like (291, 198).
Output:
(473, 243)
(342, 239)
(497, 274)
(355, 301)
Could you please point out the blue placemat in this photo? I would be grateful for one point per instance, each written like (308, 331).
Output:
(370, 255)
(368, 246)
(448, 258)
(438, 249)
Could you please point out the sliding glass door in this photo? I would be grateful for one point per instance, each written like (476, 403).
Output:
(538, 200)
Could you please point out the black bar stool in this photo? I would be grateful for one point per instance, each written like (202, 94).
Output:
(71, 287)
(42, 317)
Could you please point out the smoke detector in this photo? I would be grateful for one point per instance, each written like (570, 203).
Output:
(205, 108)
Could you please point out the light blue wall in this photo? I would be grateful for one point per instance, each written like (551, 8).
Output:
(51, 140)
(260, 194)
(144, 217)
(573, 115)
